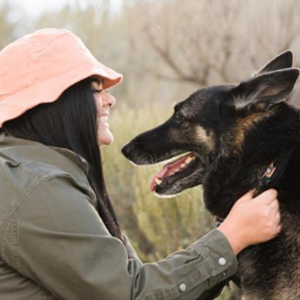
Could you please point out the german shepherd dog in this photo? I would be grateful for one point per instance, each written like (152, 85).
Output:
(229, 135)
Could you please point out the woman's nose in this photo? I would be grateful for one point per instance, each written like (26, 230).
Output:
(108, 100)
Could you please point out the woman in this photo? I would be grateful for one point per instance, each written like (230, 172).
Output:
(59, 235)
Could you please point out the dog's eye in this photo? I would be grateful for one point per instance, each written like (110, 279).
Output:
(178, 118)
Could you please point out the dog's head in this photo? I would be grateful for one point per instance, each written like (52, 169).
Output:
(212, 122)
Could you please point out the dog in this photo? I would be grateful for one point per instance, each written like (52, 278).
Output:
(231, 139)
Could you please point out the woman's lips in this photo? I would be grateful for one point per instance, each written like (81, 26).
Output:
(103, 119)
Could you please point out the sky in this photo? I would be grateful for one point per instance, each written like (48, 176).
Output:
(35, 7)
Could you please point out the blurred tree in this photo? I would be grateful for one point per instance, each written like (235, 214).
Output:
(209, 42)
(6, 26)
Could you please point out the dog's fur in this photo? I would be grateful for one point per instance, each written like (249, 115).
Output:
(235, 132)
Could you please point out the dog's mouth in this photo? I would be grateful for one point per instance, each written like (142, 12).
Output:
(174, 171)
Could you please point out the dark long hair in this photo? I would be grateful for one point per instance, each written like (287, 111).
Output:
(71, 122)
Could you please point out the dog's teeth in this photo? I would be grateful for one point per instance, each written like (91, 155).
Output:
(158, 181)
(182, 165)
(189, 159)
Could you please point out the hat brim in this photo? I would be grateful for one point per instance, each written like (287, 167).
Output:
(49, 90)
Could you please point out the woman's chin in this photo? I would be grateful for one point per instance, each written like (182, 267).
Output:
(106, 138)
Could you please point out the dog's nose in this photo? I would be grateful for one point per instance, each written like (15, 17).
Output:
(127, 151)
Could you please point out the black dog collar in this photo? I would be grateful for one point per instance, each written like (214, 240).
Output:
(274, 172)
(270, 177)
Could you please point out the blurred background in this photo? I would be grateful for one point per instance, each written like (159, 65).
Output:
(166, 49)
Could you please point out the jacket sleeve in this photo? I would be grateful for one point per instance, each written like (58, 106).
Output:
(57, 239)
(209, 294)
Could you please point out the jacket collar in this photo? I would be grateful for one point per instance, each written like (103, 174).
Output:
(8, 140)
(78, 159)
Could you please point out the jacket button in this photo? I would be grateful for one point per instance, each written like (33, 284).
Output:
(182, 287)
(222, 261)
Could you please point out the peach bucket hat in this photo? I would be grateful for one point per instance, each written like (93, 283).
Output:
(38, 67)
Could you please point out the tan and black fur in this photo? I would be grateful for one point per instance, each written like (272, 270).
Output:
(235, 132)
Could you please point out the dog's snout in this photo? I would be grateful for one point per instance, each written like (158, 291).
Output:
(135, 153)
(127, 151)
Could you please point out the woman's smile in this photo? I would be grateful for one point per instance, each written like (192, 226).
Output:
(104, 101)
(104, 119)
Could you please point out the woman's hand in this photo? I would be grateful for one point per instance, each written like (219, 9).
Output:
(252, 220)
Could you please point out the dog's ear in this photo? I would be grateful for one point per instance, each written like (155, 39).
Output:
(267, 88)
(282, 61)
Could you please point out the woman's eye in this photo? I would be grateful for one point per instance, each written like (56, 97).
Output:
(98, 91)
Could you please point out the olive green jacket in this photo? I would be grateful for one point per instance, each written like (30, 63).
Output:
(53, 245)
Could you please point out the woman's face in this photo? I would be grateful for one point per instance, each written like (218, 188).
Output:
(104, 102)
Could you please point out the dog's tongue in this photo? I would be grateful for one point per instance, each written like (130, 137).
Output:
(167, 170)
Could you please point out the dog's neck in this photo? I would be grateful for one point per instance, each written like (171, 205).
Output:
(224, 186)
(273, 174)
(232, 176)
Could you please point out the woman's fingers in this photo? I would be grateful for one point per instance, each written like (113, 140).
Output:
(267, 197)
(278, 217)
(274, 206)
(246, 197)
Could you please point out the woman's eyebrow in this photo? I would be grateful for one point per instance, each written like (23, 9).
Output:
(97, 80)
(97, 83)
